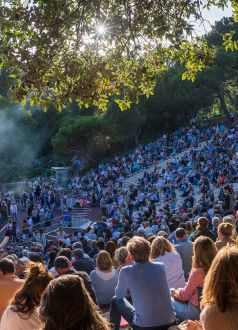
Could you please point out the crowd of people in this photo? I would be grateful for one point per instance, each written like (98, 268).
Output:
(164, 250)
(144, 283)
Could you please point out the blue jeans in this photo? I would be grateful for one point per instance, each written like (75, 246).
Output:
(185, 311)
(122, 307)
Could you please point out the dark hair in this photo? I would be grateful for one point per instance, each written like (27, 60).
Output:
(180, 233)
(66, 304)
(78, 253)
(28, 297)
(34, 257)
(227, 188)
(182, 225)
(77, 245)
(111, 248)
(125, 240)
(100, 245)
(52, 256)
(66, 252)
(61, 262)
(202, 224)
(7, 266)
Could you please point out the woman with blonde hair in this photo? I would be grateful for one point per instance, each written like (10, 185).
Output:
(225, 235)
(104, 279)
(66, 304)
(22, 314)
(111, 249)
(220, 293)
(163, 251)
(120, 256)
(186, 300)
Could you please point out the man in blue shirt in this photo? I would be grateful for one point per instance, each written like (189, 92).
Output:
(148, 287)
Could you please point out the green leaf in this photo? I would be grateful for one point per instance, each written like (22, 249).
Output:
(32, 102)
(184, 76)
(13, 76)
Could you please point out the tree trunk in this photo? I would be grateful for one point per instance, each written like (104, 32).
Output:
(221, 98)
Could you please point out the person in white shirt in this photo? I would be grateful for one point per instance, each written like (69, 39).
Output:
(13, 211)
(163, 251)
(30, 223)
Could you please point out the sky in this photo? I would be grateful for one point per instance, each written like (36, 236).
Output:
(213, 15)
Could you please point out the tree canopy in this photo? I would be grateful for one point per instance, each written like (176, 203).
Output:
(89, 51)
(33, 140)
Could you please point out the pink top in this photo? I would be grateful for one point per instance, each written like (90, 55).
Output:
(189, 292)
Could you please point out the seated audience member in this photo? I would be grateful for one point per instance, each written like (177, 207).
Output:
(82, 263)
(124, 240)
(104, 279)
(202, 230)
(64, 267)
(50, 263)
(21, 266)
(185, 248)
(94, 250)
(9, 283)
(34, 257)
(120, 256)
(148, 289)
(22, 313)
(215, 223)
(186, 301)
(172, 236)
(225, 235)
(66, 252)
(231, 219)
(220, 293)
(163, 251)
(111, 248)
(66, 304)
(229, 200)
